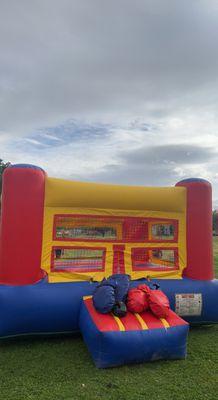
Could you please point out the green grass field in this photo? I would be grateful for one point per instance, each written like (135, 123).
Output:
(61, 369)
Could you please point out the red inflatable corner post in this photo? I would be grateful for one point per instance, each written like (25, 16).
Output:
(21, 224)
(199, 229)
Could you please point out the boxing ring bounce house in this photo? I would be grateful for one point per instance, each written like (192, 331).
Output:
(59, 238)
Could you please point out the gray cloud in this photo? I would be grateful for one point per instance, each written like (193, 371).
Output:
(174, 154)
(158, 165)
(76, 58)
(133, 174)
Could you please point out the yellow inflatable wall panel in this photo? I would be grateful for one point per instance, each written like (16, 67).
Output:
(77, 198)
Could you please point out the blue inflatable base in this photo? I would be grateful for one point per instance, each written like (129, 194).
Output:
(53, 308)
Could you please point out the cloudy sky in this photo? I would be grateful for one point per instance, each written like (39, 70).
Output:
(115, 91)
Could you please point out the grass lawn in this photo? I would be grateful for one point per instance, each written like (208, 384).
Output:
(61, 369)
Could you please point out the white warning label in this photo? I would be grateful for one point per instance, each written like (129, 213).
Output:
(188, 304)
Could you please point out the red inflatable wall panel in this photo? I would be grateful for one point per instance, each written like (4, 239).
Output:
(21, 225)
(199, 229)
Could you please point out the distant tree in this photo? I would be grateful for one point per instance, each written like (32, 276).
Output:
(3, 165)
(215, 221)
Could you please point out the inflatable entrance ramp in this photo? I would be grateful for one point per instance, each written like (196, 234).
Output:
(135, 338)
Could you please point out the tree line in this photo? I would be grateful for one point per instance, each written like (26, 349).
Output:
(3, 165)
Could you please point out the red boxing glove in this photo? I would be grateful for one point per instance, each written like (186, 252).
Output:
(159, 303)
(137, 300)
(144, 288)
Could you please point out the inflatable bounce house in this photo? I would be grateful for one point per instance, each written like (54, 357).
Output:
(59, 238)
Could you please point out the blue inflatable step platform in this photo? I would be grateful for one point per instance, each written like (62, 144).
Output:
(135, 338)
